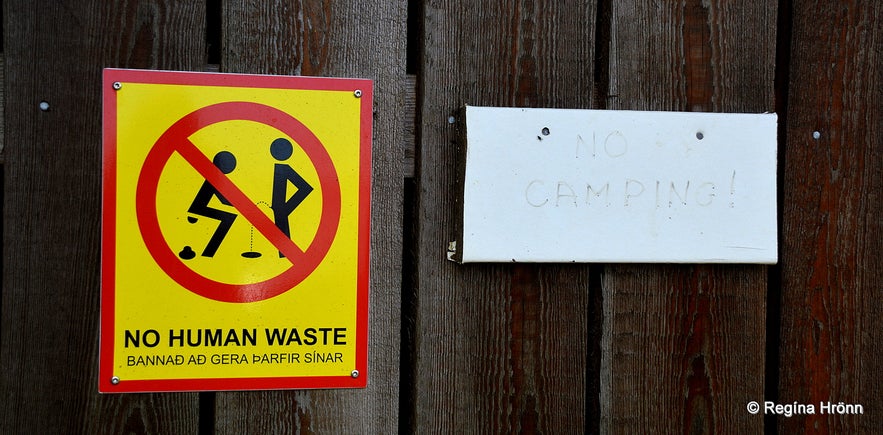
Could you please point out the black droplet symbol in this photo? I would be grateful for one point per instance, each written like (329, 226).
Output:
(192, 219)
(187, 253)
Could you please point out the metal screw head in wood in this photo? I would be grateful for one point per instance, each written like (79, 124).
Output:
(117, 86)
(358, 93)
(115, 380)
(355, 374)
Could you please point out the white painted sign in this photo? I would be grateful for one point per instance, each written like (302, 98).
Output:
(559, 185)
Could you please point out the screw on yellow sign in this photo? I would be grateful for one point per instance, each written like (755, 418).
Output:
(235, 232)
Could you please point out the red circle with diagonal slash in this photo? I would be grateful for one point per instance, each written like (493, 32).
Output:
(176, 140)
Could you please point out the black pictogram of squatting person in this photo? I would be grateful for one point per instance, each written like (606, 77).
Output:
(226, 162)
(282, 204)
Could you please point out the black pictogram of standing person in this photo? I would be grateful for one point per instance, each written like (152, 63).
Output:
(282, 204)
(226, 162)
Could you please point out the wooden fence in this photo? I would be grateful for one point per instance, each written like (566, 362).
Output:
(479, 348)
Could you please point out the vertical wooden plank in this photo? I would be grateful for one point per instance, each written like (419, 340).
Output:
(500, 348)
(832, 319)
(54, 54)
(683, 345)
(340, 39)
(2, 105)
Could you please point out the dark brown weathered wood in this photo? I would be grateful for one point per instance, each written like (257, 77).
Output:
(339, 39)
(409, 126)
(2, 104)
(683, 346)
(500, 348)
(51, 218)
(832, 319)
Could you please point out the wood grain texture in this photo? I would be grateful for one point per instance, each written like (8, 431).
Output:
(51, 219)
(409, 126)
(500, 348)
(2, 105)
(338, 39)
(683, 346)
(832, 318)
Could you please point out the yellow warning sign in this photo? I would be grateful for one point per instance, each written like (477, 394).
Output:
(235, 224)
